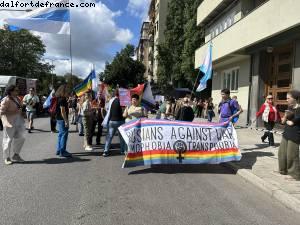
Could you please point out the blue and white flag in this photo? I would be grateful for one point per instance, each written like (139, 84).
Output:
(206, 69)
(47, 103)
(46, 19)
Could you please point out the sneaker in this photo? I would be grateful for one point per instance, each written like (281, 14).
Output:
(262, 140)
(7, 161)
(29, 131)
(105, 154)
(66, 155)
(88, 148)
(81, 134)
(17, 158)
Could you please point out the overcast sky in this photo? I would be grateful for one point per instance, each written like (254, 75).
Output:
(97, 33)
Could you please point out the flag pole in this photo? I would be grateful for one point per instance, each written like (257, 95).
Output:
(195, 84)
(71, 58)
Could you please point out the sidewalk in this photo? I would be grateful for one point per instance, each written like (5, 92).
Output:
(257, 166)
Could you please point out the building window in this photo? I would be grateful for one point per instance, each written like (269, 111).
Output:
(231, 79)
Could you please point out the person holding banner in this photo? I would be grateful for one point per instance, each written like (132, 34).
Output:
(134, 111)
(228, 108)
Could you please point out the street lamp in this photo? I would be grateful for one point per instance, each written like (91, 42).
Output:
(52, 63)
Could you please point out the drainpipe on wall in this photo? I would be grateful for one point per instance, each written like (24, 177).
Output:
(249, 94)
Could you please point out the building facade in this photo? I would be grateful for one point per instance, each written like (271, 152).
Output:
(142, 51)
(157, 16)
(256, 49)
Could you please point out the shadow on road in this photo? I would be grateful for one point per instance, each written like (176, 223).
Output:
(57, 161)
(173, 169)
(259, 146)
(250, 158)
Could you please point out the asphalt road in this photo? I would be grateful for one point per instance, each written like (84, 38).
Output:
(89, 189)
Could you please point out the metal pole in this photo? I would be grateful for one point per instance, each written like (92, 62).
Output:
(71, 78)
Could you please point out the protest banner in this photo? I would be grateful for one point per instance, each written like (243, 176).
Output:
(153, 141)
(124, 96)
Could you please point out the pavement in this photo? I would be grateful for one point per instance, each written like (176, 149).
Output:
(89, 189)
(259, 166)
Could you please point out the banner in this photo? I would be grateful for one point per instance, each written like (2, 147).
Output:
(124, 96)
(153, 141)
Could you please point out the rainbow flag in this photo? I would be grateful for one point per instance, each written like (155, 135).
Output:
(86, 85)
(153, 141)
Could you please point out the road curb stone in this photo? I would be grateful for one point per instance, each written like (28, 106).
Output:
(286, 199)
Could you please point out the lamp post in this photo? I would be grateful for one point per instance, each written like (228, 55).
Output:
(52, 63)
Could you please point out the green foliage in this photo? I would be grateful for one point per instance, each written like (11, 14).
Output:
(176, 55)
(21, 55)
(124, 70)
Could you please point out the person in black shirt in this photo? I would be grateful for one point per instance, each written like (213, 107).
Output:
(288, 154)
(115, 119)
(62, 111)
(185, 113)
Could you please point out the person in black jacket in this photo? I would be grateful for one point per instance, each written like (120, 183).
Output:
(115, 119)
(185, 113)
(288, 154)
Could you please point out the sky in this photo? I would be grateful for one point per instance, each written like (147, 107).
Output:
(97, 34)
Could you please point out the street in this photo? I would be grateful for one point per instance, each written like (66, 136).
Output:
(90, 189)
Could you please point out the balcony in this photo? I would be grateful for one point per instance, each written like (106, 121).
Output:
(209, 9)
(268, 20)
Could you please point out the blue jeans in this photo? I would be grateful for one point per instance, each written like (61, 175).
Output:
(63, 132)
(79, 121)
(112, 128)
(210, 115)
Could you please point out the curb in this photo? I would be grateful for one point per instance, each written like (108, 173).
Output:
(286, 199)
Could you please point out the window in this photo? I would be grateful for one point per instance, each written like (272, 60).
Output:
(231, 79)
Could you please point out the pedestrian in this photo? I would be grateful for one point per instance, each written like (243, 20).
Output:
(52, 113)
(112, 121)
(288, 154)
(227, 107)
(199, 108)
(80, 116)
(87, 121)
(62, 120)
(134, 111)
(101, 112)
(13, 125)
(185, 113)
(73, 108)
(270, 115)
(30, 101)
(209, 105)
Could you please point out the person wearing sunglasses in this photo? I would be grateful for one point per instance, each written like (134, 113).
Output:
(13, 124)
(270, 115)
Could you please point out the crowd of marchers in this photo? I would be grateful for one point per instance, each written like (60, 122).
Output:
(89, 112)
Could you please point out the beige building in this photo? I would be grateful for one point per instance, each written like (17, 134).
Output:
(157, 15)
(256, 49)
(142, 50)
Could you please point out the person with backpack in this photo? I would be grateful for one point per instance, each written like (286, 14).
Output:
(13, 124)
(62, 120)
(270, 115)
(186, 112)
(228, 108)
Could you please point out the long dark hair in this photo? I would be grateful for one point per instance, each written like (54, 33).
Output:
(9, 89)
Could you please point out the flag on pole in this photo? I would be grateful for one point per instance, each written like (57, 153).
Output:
(86, 85)
(47, 103)
(206, 69)
(47, 20)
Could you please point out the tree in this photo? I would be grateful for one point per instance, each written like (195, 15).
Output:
(124, 70)
(182, 37)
